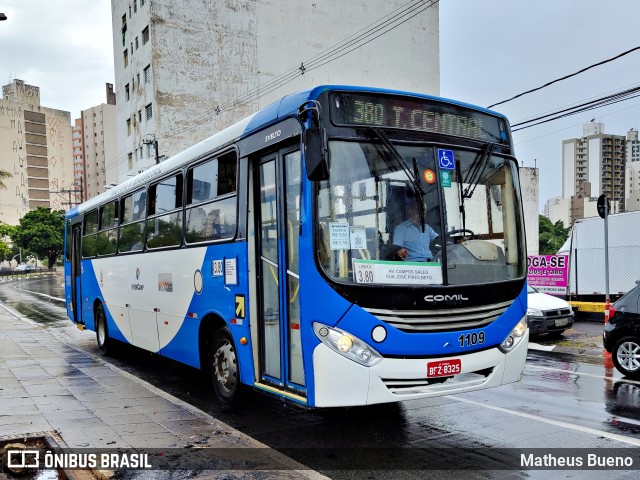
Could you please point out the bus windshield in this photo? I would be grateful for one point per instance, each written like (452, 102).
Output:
(419, 215)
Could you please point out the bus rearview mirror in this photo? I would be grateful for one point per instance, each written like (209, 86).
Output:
(315, 154)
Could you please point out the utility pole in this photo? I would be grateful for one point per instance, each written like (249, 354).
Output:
(69, 191)
(153, 142)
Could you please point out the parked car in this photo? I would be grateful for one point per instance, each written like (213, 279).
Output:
(547, 314)
(621, 336)
(25, 267)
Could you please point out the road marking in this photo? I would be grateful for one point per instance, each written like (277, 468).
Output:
(603, 377)
(550, 421)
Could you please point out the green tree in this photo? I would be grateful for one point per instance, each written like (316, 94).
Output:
(5, 242)
(42, 232)
(551, 236)
(4, 174)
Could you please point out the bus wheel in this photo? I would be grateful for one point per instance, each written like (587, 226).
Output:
(102, 334)
(224, 368)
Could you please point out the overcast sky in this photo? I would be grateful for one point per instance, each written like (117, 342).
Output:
(490, 51)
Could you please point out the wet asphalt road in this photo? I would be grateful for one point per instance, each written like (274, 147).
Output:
(562, 401)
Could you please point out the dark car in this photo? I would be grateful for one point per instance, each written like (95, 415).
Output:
(621, 335)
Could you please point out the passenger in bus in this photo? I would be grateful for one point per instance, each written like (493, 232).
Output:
(410, 243)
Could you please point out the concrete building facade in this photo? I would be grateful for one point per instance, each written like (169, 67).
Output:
(530, 188)
(185, 71)
(558, 208)
(36, 148)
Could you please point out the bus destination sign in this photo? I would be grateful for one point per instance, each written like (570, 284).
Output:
(416, 114)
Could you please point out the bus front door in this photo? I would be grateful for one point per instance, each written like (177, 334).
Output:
(277, 227)
(76, 256)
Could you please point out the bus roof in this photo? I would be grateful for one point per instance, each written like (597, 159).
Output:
(285, 107)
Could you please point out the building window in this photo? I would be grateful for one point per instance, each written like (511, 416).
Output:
(128, 127)
(130, 161)
(147, 74)
(126, 92)
(139, 116)
(142, 3)
(135, 6)
(137, 44)
(132, 49)
(126, 57)
(145, 35)
(138, 79)
(148, 111)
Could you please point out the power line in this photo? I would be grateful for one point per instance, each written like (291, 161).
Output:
(584, 107)
(566, 76)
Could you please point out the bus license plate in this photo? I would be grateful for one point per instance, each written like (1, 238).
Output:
(444, 368)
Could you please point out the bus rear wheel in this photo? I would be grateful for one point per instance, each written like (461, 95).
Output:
(102, 333)
(223, 363)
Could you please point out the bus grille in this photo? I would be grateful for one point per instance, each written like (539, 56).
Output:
(442, 320)
(442, 385)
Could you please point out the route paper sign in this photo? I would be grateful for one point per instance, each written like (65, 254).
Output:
(396, 273)
(338, 236)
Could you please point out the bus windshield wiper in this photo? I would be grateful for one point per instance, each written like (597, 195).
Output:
(477, 169)
(396, 155)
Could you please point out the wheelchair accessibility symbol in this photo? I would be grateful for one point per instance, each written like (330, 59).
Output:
(446, 159)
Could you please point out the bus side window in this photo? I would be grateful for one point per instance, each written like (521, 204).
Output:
(131, 227)
(107, 238)
(89, 231)
(211, 204)
(164, 221)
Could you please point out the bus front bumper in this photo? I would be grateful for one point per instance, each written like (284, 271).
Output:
(343, 382)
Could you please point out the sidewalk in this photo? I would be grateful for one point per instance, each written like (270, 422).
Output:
(48, 386)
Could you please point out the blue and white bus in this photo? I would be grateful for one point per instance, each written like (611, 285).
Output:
(265, 254)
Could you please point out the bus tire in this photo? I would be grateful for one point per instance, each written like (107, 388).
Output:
(102, 332)
(223, 368)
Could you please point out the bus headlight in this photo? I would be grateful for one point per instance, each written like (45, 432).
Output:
(515, 336)
(347, 345)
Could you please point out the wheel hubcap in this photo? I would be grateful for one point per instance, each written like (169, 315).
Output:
(224, 366)
(629, 356)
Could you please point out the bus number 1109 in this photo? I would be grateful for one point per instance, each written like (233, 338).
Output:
(471, 339)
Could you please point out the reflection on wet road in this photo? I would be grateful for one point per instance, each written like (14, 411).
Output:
(39, 309)
(562, 401)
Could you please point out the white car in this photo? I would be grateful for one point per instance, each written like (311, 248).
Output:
(547, 314)
(25, 267)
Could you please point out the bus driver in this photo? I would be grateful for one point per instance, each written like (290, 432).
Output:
(411, 241)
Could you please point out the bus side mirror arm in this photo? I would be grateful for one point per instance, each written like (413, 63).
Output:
(314, 141)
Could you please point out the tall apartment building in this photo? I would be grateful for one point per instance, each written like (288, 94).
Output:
(632, 172)
(184, 71)
(596, 158)
(77, 192)
(99, 146)
(36, 148)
